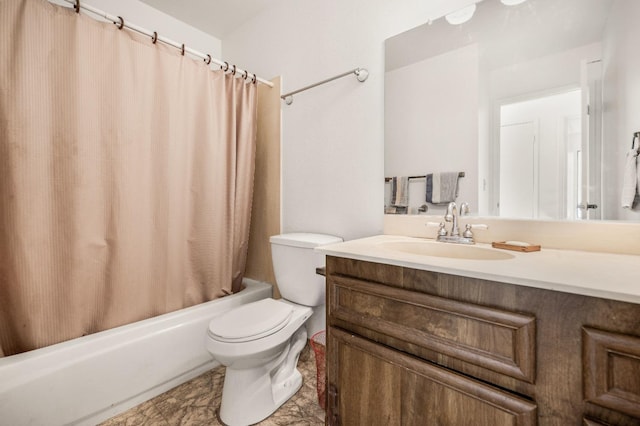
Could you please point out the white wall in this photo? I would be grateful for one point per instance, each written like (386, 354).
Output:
(333, 150)
(621, 103)
(145, 16)
(543, 74)
(431, 123)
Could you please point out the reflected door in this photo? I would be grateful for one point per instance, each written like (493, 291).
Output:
(590, 198)
(534, 183)
(518, 170)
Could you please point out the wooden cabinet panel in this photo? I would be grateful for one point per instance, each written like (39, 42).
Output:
(398, 389)
(374, 272)
(498, 340)
(589, 422)
(612, 370)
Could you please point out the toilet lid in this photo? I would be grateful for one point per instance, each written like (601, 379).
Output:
(251, 321)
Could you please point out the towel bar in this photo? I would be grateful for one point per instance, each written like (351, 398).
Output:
(461, 174)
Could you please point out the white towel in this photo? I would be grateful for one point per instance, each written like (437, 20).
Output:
(442, 187)
(631, 178)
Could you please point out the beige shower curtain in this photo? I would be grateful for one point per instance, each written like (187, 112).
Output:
(126, 173)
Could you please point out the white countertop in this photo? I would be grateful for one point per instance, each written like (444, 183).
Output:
(604, 275)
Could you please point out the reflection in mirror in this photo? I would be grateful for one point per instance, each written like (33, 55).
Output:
(537, 103)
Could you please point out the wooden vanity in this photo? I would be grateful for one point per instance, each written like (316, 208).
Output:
(408, 346)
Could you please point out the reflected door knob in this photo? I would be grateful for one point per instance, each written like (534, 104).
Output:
(587, 206)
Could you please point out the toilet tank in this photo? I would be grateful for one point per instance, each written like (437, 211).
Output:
(295, 263)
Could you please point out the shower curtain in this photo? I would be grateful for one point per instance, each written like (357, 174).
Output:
(126, 175)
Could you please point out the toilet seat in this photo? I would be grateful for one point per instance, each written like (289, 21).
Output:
(252, 321)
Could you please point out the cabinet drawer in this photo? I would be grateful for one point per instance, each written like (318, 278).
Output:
(497, 340)
(611, 370)
(376, 385)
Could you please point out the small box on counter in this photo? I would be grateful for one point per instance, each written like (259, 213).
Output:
(515, 246)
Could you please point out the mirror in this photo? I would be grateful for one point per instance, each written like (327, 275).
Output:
(536, 103)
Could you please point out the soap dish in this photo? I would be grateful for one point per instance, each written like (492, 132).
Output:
(515, 247)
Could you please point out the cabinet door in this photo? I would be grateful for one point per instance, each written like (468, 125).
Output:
(375, 385)
(364, 389)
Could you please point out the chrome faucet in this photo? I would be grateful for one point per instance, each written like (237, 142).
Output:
(454, 236)
(452, 216)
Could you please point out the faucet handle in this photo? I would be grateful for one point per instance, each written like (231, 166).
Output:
(480, 226)
(442, 231)
(467, 229)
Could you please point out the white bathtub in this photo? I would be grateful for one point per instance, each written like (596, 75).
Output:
(87, 380)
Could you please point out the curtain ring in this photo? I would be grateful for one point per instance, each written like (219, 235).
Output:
(121, 24)
(182, 49)
(226, 64)
(77, 6)
(234, 70)
(254, 79)
(208, 60)
(246, 74)
(154, 38)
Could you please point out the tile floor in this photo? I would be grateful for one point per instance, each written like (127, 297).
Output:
(196, 402)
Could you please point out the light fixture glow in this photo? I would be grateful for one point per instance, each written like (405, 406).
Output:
(512, 2)
(461, 16)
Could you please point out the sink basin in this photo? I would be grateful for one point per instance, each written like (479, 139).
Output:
(453, 251)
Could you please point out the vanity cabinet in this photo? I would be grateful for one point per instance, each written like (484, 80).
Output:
(415, 347)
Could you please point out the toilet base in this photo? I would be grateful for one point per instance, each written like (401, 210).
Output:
(251, 395)
(286, 389)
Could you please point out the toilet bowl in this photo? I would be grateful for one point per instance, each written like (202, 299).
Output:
(259, 343)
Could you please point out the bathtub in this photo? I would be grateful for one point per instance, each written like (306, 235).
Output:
(89, 379)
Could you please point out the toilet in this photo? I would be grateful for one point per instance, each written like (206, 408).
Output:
(260, 342)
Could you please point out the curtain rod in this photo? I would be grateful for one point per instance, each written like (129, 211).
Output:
(361, 75)
(119, 21)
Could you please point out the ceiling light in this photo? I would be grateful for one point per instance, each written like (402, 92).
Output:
(512, 2)
(463, 15)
